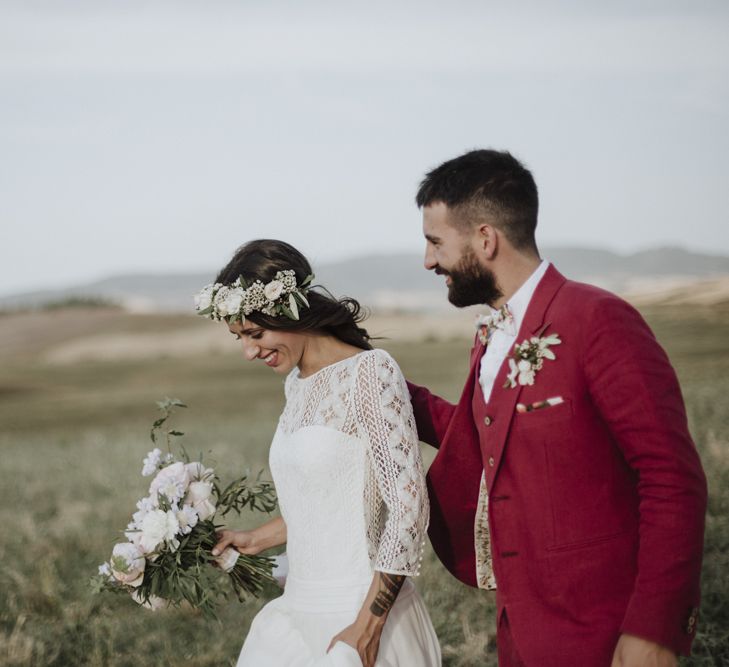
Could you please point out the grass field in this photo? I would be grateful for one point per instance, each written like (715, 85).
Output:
(73, 435)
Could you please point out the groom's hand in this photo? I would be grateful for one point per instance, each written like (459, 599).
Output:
(636, 652)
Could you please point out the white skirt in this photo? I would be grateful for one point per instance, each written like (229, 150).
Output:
(296, 629)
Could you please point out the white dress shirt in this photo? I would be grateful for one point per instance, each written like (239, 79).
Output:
(502, 342)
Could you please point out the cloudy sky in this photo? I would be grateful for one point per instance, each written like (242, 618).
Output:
(158, 136)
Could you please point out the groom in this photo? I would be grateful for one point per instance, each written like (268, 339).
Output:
(566, 477)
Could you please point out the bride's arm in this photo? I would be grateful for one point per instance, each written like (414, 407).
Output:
(252, 542)
(386, 423)
(364, 634)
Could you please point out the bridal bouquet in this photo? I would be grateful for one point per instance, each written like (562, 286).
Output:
(166, 558)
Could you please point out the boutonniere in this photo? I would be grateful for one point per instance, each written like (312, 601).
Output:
(528, 358)
(498, 319)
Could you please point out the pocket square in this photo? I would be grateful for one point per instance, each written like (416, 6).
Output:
(539, 405)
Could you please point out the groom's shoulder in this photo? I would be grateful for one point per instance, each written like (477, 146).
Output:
(593, 301)
(587, 292)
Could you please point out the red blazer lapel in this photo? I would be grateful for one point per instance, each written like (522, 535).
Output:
(503, 401)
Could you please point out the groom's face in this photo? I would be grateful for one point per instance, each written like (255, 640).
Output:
(452, 252)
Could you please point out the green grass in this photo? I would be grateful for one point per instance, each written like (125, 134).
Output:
(72, 442)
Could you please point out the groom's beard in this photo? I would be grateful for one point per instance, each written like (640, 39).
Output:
(471, 283)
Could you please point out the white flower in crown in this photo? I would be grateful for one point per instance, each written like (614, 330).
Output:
(221, 303)
(204, 298)
(279, 297)
(273, 290)
(528, 358)
(234, 300)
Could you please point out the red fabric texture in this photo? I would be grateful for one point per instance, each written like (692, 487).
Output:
(596, 505)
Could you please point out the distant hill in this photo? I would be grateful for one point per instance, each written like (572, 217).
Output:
(400, 282)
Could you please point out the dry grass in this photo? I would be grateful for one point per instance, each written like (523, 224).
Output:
(72, 440)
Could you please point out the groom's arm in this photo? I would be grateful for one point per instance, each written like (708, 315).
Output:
(636, 391)
(432, 414)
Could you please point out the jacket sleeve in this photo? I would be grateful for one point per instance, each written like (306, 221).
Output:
(432, 414)
(636, 391)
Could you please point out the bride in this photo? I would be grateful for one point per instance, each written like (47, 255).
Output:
(346, 463)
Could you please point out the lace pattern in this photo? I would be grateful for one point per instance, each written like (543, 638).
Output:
(366, 396)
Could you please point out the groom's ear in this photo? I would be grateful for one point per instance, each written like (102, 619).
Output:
(487, 240)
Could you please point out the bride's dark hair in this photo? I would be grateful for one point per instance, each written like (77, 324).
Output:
(261, 259)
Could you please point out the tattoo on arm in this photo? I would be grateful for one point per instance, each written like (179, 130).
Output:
(389, 586)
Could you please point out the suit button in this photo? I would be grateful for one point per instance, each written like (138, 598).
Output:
(491, 461)
(691, 624)
(487, 420)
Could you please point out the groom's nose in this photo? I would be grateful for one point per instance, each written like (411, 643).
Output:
(429, 261)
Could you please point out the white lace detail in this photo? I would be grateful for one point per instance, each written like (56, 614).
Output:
(322, 399)
(396, 478)
(366, 397)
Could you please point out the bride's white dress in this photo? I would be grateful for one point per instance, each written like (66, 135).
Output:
(346, 464)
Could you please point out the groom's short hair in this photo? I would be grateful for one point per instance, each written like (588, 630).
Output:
(486, 185)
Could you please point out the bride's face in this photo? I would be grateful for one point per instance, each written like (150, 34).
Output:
(279, 350)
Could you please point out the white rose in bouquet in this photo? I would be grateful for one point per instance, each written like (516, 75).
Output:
(127, 564)
(197, 471)
(198, 495)
(171, 534)
(157, 527)
(144, 507)
(187, 518)
(171, 482)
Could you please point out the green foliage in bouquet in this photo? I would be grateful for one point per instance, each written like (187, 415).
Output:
(167, 560)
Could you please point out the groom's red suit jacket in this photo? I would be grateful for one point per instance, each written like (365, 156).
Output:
(596, 505)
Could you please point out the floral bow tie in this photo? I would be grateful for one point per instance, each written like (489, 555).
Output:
(501, 319)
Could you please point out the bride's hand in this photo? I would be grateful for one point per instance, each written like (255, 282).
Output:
(364, 636)
(241, 540)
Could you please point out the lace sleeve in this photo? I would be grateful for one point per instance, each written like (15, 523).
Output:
(385, 421)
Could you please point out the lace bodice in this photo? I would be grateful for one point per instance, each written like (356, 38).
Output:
(347, 444)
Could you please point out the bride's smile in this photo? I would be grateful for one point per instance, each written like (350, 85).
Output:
(279, 350)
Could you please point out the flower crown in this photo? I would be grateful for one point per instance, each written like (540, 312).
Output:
(281, 296)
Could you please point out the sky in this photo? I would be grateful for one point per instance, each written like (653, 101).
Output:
(158, 136)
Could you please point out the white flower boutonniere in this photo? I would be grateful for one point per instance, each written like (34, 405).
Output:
(528, 358)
